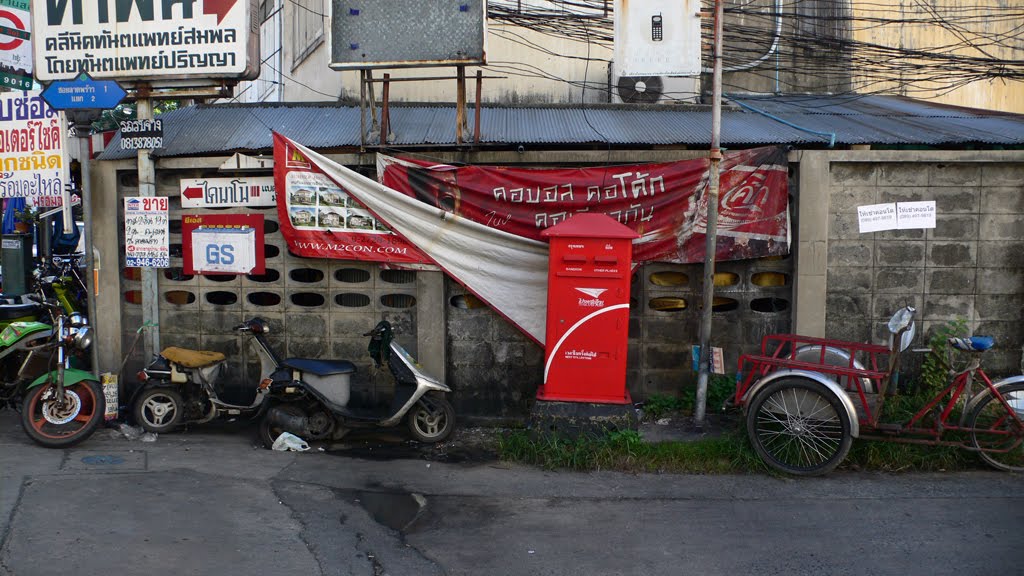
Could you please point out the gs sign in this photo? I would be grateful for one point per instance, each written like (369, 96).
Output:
(223, 244)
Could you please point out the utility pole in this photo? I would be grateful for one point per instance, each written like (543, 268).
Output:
(147, 187)
(711, 231)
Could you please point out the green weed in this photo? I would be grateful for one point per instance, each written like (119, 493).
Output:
(729, 453)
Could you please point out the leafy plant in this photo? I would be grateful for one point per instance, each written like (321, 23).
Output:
(720, 388)
(26, 215)
(658, 405)
(935, 368)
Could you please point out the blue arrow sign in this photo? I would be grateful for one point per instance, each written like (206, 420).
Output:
(83, 93)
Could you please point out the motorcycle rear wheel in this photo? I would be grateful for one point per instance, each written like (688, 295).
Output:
(158, 410)
(431, 420)
(268, 432)
(56, 426)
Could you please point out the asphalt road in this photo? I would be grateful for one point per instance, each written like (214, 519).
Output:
(207, 502)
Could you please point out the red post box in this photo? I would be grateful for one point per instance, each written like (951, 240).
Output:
(588, 310)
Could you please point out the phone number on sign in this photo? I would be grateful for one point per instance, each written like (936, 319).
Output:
(147, 262)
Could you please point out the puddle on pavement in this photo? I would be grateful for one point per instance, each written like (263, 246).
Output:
(394, 510)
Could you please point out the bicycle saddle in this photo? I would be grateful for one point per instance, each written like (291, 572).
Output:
(973, 343)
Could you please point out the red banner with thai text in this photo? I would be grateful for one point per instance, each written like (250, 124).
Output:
(664, 202)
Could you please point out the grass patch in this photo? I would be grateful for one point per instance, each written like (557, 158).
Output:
(729, 453)
(626, 451)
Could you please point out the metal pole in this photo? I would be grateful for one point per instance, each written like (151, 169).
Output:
(711, 234)
(147, 187)
(90, 282)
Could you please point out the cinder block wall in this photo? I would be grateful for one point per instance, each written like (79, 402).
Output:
(970, 266)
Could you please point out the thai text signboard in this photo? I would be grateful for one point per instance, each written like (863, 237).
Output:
(142, 134)
(32, 140)
(145, 232)
(220, 192)
(146, 40)
(15, 45)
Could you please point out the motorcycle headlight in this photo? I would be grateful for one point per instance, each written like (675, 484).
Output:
(77, 319)
(82, 338)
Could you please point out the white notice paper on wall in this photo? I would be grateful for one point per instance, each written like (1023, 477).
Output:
(224, 250)
(915, 215)
(876, 217)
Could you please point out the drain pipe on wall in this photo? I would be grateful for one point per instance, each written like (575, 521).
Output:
(773, 49)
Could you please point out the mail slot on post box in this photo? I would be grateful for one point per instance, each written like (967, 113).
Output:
(588, 310)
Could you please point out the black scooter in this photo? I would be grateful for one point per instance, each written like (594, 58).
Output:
(310, 398)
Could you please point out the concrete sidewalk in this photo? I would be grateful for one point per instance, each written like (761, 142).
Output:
(208, 502)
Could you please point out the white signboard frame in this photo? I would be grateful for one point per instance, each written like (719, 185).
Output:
(238, 243)
(146, 241)
(167, 40)
(657, 37)
(876, 217)
(910, 215)
(228, 192)
(33, 157)
(896, 216)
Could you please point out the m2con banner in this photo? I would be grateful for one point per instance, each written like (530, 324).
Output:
(319, 219)
(145, 40)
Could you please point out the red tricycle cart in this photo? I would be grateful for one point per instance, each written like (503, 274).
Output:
(805, 400)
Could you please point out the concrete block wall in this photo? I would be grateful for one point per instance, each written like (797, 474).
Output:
(970, 266)
(753, 298)
(316, 308)
(493, 368)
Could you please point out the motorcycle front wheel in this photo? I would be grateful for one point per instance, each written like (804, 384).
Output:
(431, 420)
(62, 424)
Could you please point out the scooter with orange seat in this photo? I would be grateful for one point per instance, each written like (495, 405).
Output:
(182, 386)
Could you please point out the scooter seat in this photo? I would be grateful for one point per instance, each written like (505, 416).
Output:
(12, 311)
(191, 358)
(320, 367)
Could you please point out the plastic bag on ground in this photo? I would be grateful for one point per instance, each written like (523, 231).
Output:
(290, 442)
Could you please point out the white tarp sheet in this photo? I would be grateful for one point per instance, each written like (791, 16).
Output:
(507, 272)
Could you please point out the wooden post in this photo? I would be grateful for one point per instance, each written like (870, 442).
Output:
(476, 111)
(385, 112)
(460, 104)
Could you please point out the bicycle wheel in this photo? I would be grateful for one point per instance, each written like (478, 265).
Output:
(799, 426)
(997, 436)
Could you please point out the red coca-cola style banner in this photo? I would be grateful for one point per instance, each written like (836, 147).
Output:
(319, 219)
(663, 202)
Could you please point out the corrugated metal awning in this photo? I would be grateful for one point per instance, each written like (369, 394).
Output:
(762, 120)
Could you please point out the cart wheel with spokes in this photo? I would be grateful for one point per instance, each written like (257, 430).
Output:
(999, 438)
(799, 426)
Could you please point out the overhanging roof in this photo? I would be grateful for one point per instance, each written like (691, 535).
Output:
(753, 120)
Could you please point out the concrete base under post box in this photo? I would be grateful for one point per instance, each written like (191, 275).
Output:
(577, 419)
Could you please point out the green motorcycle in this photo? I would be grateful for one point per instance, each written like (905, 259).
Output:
(63, 406)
